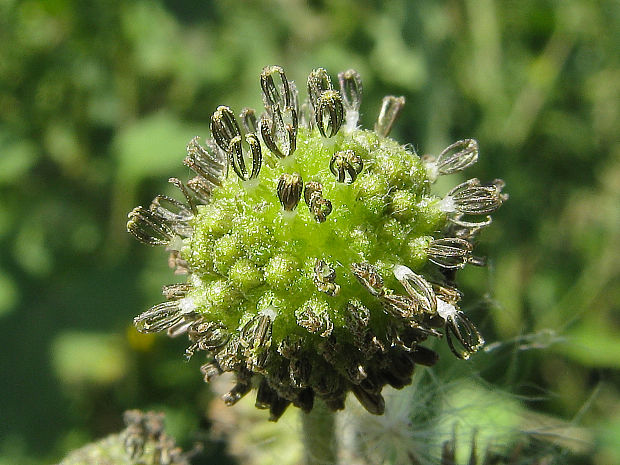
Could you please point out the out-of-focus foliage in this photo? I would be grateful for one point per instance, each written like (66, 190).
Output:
(97, 102)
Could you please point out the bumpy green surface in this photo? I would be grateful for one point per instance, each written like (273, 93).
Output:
(248, 255)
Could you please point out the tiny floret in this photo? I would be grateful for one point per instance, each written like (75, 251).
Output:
(318, 258)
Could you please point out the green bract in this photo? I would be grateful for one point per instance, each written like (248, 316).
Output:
(310, 267)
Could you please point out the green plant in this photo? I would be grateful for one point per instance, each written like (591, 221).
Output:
(307, 303)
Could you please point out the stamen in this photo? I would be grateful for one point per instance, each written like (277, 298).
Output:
(314, 321)
(371, 401)
(210, 165)
(210, 371)
(369, 277)
(188, 198)
(326, 102)
(346, 163)
(201, 188)
(460, 327)
(318, 206)
(417, 287)
(207, 336)
(450, 252)
(237, 157)
(159, 317)
(390, 110)
(357, 318)
(279, 137)
(248, 120)
(224, 127)
(278, 125)
(324, 277)
(149, 227)
(456, 157)
(175, 291)
(174, 213)
(290, 187)
(227, 135)
(257, 332)
(299, 372)
(329, 113)
(473, 198)
(400, 306)
(238, 391)
(351, 91)
(275, 95)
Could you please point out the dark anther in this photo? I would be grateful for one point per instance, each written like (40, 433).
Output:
(265, 396)
(318, 82)
(315, 322)
(474, 198)
(227, 135)
(236, 393)
(369, 277)
(417, 288)
(290, 187)
(318, 206)
(278, 407)
(458, 156)
(237, 158)
(424, 356)
(278, 125)
(371, 401)
(176, 214)
(184, 190)
(346, 166)
(449, 252)
(210, 371)
(256, 333)
(324, 277)
(351, 90)
(149, 227)
(390, 109)
(206, 336)
(278, 136)
(459, 326)
(159, 318)
(300, 370)
(305, 400)
(248, 120)
(326, 102)
(224, 127)
(400, 306)
(276, 95)
(175, 291)
(329, 113)
(210, 163)
(357, 318)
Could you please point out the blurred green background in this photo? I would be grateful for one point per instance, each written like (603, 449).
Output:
(98, 100)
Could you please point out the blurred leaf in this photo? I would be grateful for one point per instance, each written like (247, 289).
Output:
(16, 158)
(153, 146)
(593, 343)
(9, 294)
(88, 358)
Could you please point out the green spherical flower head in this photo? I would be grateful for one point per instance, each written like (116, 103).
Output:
(309, 244)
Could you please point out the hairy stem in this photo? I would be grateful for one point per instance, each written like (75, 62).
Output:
(319, 435)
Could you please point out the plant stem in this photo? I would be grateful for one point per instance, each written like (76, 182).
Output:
(319, 436)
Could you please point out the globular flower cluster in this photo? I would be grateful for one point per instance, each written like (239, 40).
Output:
(321, 264)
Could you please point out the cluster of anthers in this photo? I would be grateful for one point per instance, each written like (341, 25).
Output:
(337, 296)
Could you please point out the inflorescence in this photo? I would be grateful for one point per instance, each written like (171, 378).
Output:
(337, 295)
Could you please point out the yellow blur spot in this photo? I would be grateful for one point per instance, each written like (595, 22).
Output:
(139, 342)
